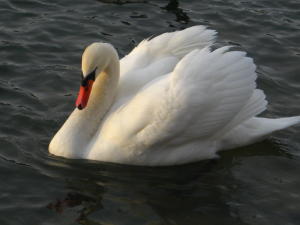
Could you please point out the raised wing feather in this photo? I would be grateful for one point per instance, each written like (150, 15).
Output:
(158, 56)
(177, 44)
(255, 105)
(205, 92)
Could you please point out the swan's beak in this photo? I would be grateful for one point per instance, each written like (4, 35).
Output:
(84, 94)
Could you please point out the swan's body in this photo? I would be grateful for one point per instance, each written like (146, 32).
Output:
(170, 101)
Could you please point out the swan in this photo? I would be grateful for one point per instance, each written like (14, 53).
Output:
(172, 100)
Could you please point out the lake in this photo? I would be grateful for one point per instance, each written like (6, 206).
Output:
(41, 43)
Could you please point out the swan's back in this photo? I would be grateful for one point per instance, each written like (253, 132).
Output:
(158, 56)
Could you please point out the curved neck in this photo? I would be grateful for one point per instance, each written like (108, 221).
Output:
(104, 90)
(81, 126)
(102, 95)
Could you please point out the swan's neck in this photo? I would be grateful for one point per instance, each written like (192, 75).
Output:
(74, 137)
(103, 93)
(102, 97)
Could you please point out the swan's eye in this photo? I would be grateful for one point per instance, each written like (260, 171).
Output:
(85, 80)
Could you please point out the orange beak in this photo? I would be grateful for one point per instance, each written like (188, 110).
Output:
(84, 94)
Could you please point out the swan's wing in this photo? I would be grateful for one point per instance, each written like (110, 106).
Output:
(157, 56)
(177, 44)
(206, 92)
(255, 105)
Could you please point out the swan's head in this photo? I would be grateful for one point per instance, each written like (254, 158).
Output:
(95, 59)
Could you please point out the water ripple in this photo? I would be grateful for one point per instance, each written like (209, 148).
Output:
(41, 43)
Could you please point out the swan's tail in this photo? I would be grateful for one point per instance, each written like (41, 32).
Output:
(268, 126)
(255, 129)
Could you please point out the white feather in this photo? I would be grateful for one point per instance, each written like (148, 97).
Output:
(158, 56)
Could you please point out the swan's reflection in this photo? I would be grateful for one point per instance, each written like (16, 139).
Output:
(190, 194)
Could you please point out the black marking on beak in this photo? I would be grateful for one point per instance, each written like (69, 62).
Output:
(90, 76)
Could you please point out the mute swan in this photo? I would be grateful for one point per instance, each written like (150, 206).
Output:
(170, 101)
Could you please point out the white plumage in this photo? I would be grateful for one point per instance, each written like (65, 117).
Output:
(170, 101)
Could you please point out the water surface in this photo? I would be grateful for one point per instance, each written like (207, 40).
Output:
(40, 49)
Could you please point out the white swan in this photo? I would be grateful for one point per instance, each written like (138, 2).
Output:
(170, 101)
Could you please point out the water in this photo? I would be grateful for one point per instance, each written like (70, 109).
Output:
(40, 49)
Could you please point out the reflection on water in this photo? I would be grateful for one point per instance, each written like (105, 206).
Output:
(41, 46)
(116, 194)
(141, 195)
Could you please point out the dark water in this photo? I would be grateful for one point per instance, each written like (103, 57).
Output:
(40, 49)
